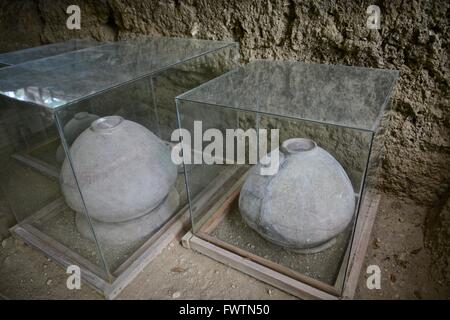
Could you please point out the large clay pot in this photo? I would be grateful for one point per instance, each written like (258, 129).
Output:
(305, 205)
(73, 128)
(133, 230)
(123, 170)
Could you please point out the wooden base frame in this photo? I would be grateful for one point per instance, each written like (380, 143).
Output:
(275, 274)
(92, 274)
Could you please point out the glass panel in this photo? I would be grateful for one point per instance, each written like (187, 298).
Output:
(349, 147)
(126, 176)
(186, 76)
(67, 78)
(24, 130)
(208, 174)
(20, 56)
(129, 185)
(299, 221)
(30, 188)
(345, 96)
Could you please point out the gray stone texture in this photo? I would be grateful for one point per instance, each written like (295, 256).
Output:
(308, 202)
(123, 170)
(131, 231)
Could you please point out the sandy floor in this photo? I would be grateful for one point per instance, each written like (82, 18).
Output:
(396, 246)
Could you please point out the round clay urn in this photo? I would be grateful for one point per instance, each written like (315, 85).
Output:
(73, 128)
(123, 170)
(305, 205)
(133, 230)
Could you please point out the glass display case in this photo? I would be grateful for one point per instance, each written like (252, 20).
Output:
(294, 150)
(85, 151)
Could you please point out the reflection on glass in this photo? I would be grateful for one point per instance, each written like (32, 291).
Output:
(69, 77)
(340, 95)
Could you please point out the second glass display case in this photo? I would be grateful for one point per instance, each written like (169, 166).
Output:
(294, 151)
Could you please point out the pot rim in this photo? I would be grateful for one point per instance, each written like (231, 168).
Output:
(298, 145)
(106, 124)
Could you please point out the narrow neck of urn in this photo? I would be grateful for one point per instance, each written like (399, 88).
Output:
(106, 124)
(298, 146)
